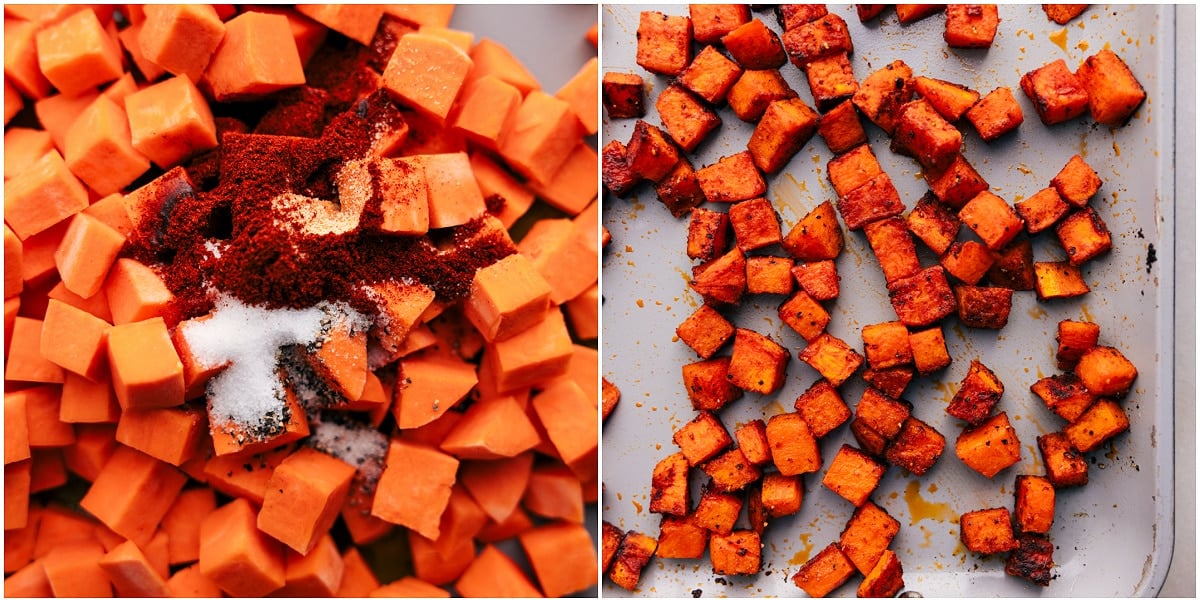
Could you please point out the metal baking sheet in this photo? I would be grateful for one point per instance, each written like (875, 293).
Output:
(1114, 536)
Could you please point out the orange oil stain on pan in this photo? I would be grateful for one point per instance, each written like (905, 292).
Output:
(920, 509)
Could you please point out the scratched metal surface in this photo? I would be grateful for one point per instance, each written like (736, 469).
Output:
(1112, 537)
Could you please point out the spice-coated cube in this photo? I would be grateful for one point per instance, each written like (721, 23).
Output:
(1084, 235)
(1042, 210)
(893, 247)
(752, 441)
(712, 21)
(632, 556)
(871, 441)
(731, 471)
(705, 331)
(701, 438)
(874, 200)
(624, 95)
(732, 178)
(971, 25)
(922, 133)
(983, 307)
(711, 75)
(819, 279)
(754, 46)
(917, 447)
(951, 100)
(823, 37)
(791, 16)
(909, 13)
(721, 280)
(754, 91)
(992, 219)
(687, 120)
(1077, 182)
(987, 531)
(1057, 94)
(831, 80)
(1104, 420)
(650, 154)
(853, 475)
(866, 12)
(996, 114)
(755, 224)
(817, 236)
(883, 92)
(978, 393)
(610, 395)
(1065, 466)
(664, 42)
(707, 384)
(680, 190)
(824, 573)
(758, 362)
(1063, 13)
(669, 486)
(1033, 557)
(881, 413)
(793, 448)
(968, 262)
(681, 537)
(885, 579)
(833, 358)
(891, 381)
(955, 184)
(785, 127)
(804, 315)
(989, 447)
(739, 553)
(841, 128)
(1114, 94)
(886, 345)
(1058, 280)
(867, 535)
(611, 537)
(1035, 504)
(756, 513)
(616, 174)
(933, 224)
(929, 350)
(769, 275)
(781, 494)
(1012, 266)
(1064, 394)
(708, 234)
(1074, 338)
(822, 407)
(717, 511)
(922, 299)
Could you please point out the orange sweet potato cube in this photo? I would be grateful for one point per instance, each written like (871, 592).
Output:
(731, 471)
(822, 407)
(1063, 13)
(883, 414)
(817, 236)
(1074, 338)
(924, 134)
(922, 299)
(891, 381)
(721, 280)
(705, 331)
(917, 447)
(867, 535)
(908, 13)
(781, 494)
(831, 80)
(731, 179)
(711, 75)
(1114, 94)
(1105, 371)
(617, 174)
(650, 154)
(989, 447)
(754, 91)
(1065, 466)
(758, 362)
(832, 358)
(951, 100)
(1035, 504)
(824, 573)
(883, 92)
(992, 219)
(886, 345)
(820, 38)
(955, 184)
(871, 441)
(978, 393)
(1012, 266)
(769, 275)
(983, 307)
(967, 261)
(631, 558)
(755, 224)
(933, 224)
(874, 200)
(853, 475)
(1084, 235)
(1077, 182)
(819, 279)
(756, 513)
(669, 493)
(893, 247)
(707, 384)
(624, 95)
(785, 127)
(754, 46)
(702, 438)
(804, 315)
(885, 579)
(1064, 394)
(664, 43)
(752, 441)
(853, 169)
(712, 21)
(841, 128)
(1058, 280)
(1057, 94)
(708, 234)
(681, 537)
(996, 114)
(739, 553)
(687, 120)
(717, 511)
(680, 190)
(971, 25)
(1042, 210)
(792, 16)
(929, 350)
(987, 531)
(793, 448)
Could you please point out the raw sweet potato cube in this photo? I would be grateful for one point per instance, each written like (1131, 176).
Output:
(739, 553)
(992, 219)
(822, 407)
(632, 556)
(922, 133)
(731, 179)
(1074, 338)
(885, 579)
(792, 16)
(769, 275)
(617, 175)
(758, 362)
(1042, 210)
(891, 381)
(1065, 466)
(1114, 94)
(817, 236)
(1063, 13)
(708, 234)
(1058, 280)
(853, 475)
(1077, 182)
(718, 511)
(832, 358)
(824, 573)
(883, 92)
(978, 393)
(624, 95)
(1012, 266)
(793, 448)
(983, 307)
(989, 447)
(731, 471)
(680, 190)
(1035, 504)
(886, 345)
(823, 37)
(754, 46)
(916, 448)
(712, 21)
(669, 486)
(866, 12)
(874, 200)
(754, 91)
(785, 127)
(781, 494)
(1033, 556)
(867, 535)
(819, 279)
(1057, 94)
(702, 438)
(893, 247)
(909, 13)
(881, 413)
(680, 537)
(711, 75)
(687, 120)
(752, 441)
(951, 100)
(755, 224)
(831, 80)
(955, 184)
(1064, 394)
(987, 531)
(967, 261)
(705, 331)
(971, 25)
(841, 129)
(722, 280)
(650, 154)
(1105, 371)
(922, 299)
(996, 114)
(934, 224)
(707, 384)
(929, 350)
(804, 315)
(1084, 235)
(664, 43)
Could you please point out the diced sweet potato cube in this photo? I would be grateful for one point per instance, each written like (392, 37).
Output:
(731, 471)
(755, 224)
(1058, 280)
(1064, 394)
(934, 224)
(688, 121)
(632, 556)
(819, 279)
(929, 350)
(804, 315)
(886, 345)
(978, 393)
(867, 12)
(785, 127)
(610, 395)
(1042, 210)
(1074, 338)
(731, 179)
(1033, 557)
(755, 512)
(871, 441)
(922, 299)
(867, 535)
(791, 16)
(971, 25)
(824, 573)
(680, 537)
(841, 129)
(951, 100)
(624, 95)
(781, 494)
(987, 531)
(917, 447)
(1012, 266)
(793, 448)
(1065, 466)
(669, 493)
(752, 441)
(739, 553)
(992, 219)
(817, 236)
(702, 438)
(769, 275)
(885, 580)
(1114, 94)
(611, 537)
(711, 75)
(712, 21)
(1063, 13)
(881, 413)
(832, 358)
(893, 247)
(831, 80)
(705, 331)
(754, 46)
(983, 307)
(891, 381)
(853, 475)
(955, 184)
(650, 154)
(664, 43)
(1105, 371)
(718, 511)
(616, 173)
(823, 37)
(1035, 504)
(758, 362)
(968, 261)
(909, 13)
(708, 234)
(754, 91)
(722, 280)
(680, 190)
(1057, 94)
(989, 447)
(1084, 235)
(707, 384)
(1077, 182)
(922, 133)
(822, 407)
(883, 92)
(996, 114)
(874, 200)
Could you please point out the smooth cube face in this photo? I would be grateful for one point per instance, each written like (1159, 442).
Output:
(1058, 280)
(881, 413)
(822, 408)
(722, 280)
(718, 511)
(922, 299)
(956, 184)
(711, 75)
(680, 191)
(996, 114)
(710, 22)
(1102, 421)
(785, 128)
(755, 224)
(754, 91)
(754, 46)
(883, 92)
(886, 345)
(967, 261)
(989, 447)
(702, 438)
(817, 236)
(819, 279)
(1105, 371)
(987, 531)
(853, 475)
(1042, 210)
(924, 134)
(686, 119)
(739, 553)
(853, 169)
(731, 179)
(707, 384)
(917, 447)
(841, 128)
(1084, 235)
(831, 80)
(680, 537)
(1056, 92)
(874, 200)
(893, 247)
(867, 535)
(992, 219)
(705, 331)
(1035, 504)
(793, 447)
(664, 43)
(769, 275)
(731, 471)
(929, 350)
(1077, 182)
(1114, 94)
(832, 358)
(804, 315)
(971, 25)
(758, 362)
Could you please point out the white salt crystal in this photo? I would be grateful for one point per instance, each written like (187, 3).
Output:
(358, 445)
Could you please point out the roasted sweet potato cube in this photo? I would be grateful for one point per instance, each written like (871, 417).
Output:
(632, 556)
(651, 155)
(1058, 280)
(1064, 394)
(680, 537)
(866, 12)
(758, 362)
(804, 315)
(781, 494)
(708, 234)
(739, 553)
(831, 80)
(977, 395)
(933, 224)
(824, 573)
(996, 114)
(833, 358)
(891, 381)
(867, 535)
(711, 21)
(1074, 338)
(989, 447)
(710, 75)
(872, 441)
(992, 219)
(1041, 210)
(881, 413)
(883, 92)
(922, 299)
(731, 471)
(664, 42)
(1077, 182)
(752, 440)
(987, 531)
(680, 190)
(624, 95)
(1035, 504)
(967, 261)
(731, 179)
(610, 395)
(983, 307)
(701, 438)
(755, 512)
(785, 127)
(1065, 466)
(822, 407)
(886, 345)
(951, 100)
(971, 25)
(755, 224)
(610, 540)
(793, 448)
(755, 47)
(817, 236)
(769, 275)
(1063, 13)
(819, 279)
(1114, 94)
(955, 184)
(874, 200)
(917, 447)
(909, 13)
(669, 486)
(885, 579)
(687, 119)
(1032, 558)
(1057, 94)
(823, 37)
(893, 247)
(1105, 371)
(1012, 266)
(618, 177)
(922, 133)
(717, 511)
(929, 350)
(707, 384)
(721, 280)
(754, 91)
(853, 475)
(841, 129)
(792, 16)
(1084, 235)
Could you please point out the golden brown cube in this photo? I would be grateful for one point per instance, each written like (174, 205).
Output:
(917, 447)
(823, 37)
(687, 119)
(1035, 504)
(804, 315)
(992, 219)
(922, 299)
(886, 345)
(971, 25)
(669, 486)
(680, 191)
(610, 396)
(951, 100)
(664, 42)
(883, 92)
(722, 280)
(755, 224)
(955, 184)
(824, 573)
(831, 80)
(874, 200)
(996, 114)
(987, 531)
(883, 414)
(781, 494)
(1114, 94)
(731, 179)
(817, 236)
(624, 95)
(680, 537)
(708, 234)
(711, 75)
(1077, 182)
(755, 47)
(1065, 466)
(977, 395)
(1012, 266)
(611, 538)
(867, 535)
(701, 438)
(819, 279)
(793, 447)
(866, 12)
(1058, 280)
(1032, 559)
(853, 169)
(1084, 236)
(1042, 210)
(891, 381)
(934, 224)
(711, 21)
(785, 127)
(731, 471)
(739, 553)
(871, 441)
(885, 580)
(758, 362)
(1104, 420)
(983, 307)
(893, 247)
(707, 384)
(769, 275)
(1057, 94)
(1074, 338)
(651, 155)
(1064, 394)
(929, 350)
(754, 91)
(832, 358)
(853, 475)
(632, 556)
(989, 447)
(616, 174)
(717, 511)
(841, 129)
(822, 408)
(1063, 13)
(792, 16)
(968, 262)
(752, 441)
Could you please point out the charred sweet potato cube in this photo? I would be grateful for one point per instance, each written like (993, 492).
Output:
(1063, 13)
(822, 407)
(610, 395)
(983, 307)
(917, 447)
(831, 80)
(754, 91)
(707, 384)
(817, 236)
(1077, 182)
(883, 92)
(853, 475)
(874, 200)
(922, 299)
(893, 247)
(752, 440)
(987, 531)
(885, 579)
(721, 280)
(785, 127)
(610, 540)
(1065, 466)
(929, 350)
(853, 169)
(1033, 556)
(758, 362)
(1114, 94)
(701, 438)
(891, 381)
(1057, 94)
(989, 447)
(624, 95)
(967, 261)
(992, 219)
(669, 493)
(933, 224)
(951, 100)
(710, 75)
(881, 413)
(816, 39)
(681, 537)
(977, 395)
(755, 224)
(909, 13)
(1035, 504)
(871, 441)
(664, 43)
(731, 179)
(1064, 394)
(1058, 280)
(1084, 235)
(739, 553)
(632, 556)
(781, 494)
(769, 275)
(922, 133)
(824, 573)
(804, 315)
(866, 12)
(832, 358)
(680, 190)
(1012, 266)
(617, 175)
(711, 21)
(867, 535)
(971, 25)
(819, 279)
(955, 184)
(792, 16)
(651, 154)
(687, 119)
(841, 129)
(731, 471)
(996, 114)
(755, 47)
(708, 234)
(886, 345)
(1041, 210)
(1105, 371)
(1074, 338)
(793, 448)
